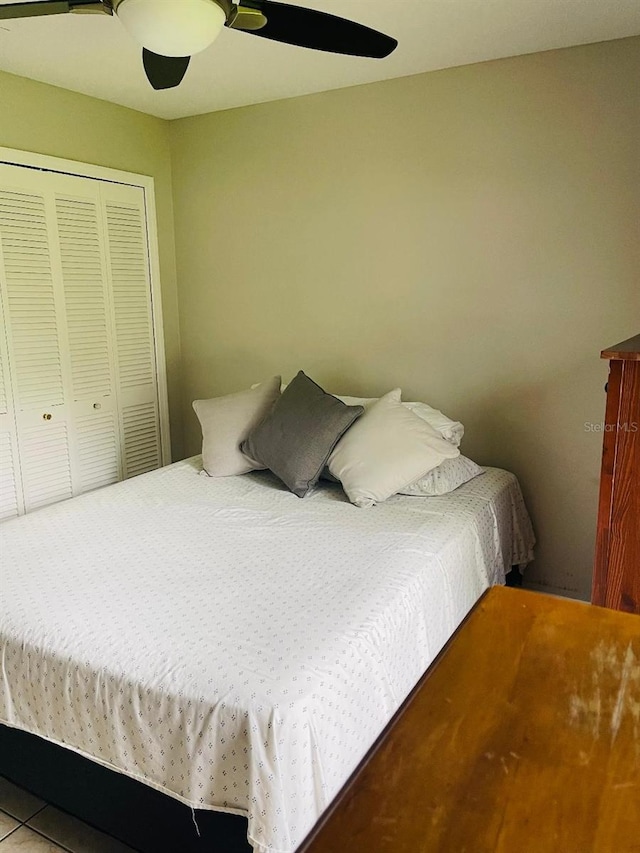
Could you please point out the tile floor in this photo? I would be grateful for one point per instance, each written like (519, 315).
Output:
(29, 825)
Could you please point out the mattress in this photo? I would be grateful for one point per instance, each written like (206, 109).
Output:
(230, 644)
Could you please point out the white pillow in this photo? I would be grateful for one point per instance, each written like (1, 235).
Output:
(227, 421)
(386, 449)
(451, 430)
(445, 478)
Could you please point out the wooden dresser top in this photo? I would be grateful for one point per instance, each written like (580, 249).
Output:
(523, 736)
(628, 350)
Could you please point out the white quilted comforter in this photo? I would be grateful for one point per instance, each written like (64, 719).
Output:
(230, 644)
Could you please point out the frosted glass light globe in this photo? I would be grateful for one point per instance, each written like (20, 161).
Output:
(172, 27)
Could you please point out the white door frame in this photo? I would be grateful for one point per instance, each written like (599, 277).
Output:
(29, 159)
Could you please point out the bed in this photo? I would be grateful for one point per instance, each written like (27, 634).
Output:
(231, 645)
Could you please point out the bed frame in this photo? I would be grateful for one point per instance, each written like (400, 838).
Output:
(137, 815)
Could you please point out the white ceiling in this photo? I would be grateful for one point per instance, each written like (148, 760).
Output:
(93, 54)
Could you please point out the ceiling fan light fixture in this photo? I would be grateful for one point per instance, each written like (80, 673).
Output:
(172, 27)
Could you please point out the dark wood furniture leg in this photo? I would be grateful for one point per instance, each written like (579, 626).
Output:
(514, 577)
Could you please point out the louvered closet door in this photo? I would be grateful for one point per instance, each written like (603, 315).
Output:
(91, 386)
(33, 312)
(128, 264)
(82, 406)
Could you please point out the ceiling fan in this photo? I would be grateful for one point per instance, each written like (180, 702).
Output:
(171, 31)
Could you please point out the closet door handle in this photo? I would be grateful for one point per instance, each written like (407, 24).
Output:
(47, 416)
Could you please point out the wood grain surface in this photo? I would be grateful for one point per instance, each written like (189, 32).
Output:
(616, 574)
(524, 736)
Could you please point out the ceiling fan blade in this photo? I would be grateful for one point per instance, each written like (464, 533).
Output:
(28, 10)
(164, 72)
(9, 11)
(319, 30)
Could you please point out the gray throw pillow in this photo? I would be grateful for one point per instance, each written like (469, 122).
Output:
(297, 436)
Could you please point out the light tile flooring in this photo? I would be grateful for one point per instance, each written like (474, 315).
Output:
(28, 825)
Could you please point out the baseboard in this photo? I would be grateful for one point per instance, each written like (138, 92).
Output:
(559, 592)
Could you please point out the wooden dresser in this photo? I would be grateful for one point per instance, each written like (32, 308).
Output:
(616, 575)
(522, 737)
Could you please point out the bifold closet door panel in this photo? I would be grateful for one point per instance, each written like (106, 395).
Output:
(128, 264)
(90, 333)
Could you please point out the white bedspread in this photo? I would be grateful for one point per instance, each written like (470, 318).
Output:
(231, 644)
